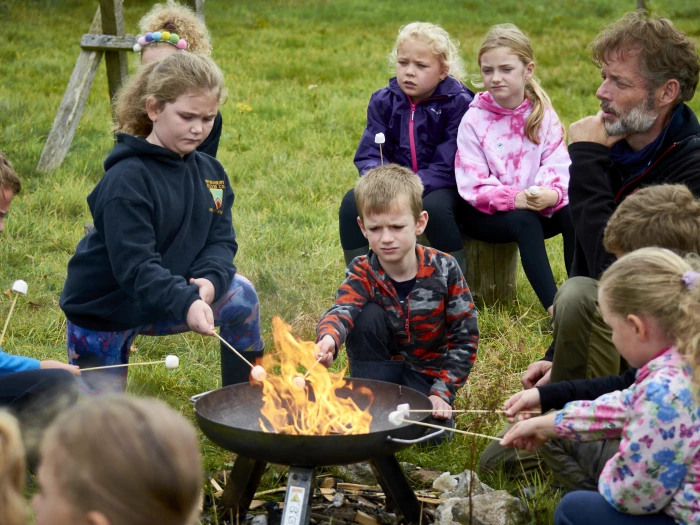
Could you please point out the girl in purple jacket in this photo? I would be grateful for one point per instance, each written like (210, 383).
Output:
(419, 113)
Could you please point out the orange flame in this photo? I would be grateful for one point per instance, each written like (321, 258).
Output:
(317, 409)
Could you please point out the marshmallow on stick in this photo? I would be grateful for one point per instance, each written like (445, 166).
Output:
(19, 287)
(380, 139)
(171, 361)
(534, 190)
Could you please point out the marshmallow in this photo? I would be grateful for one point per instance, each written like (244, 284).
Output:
(534, 190)
(299, 382)
(20, 287)
(404, 409)
(379, 138)
(395, 418)
(258, 373)
(172, 361)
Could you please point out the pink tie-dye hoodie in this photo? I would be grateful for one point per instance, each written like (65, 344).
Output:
(495, 160)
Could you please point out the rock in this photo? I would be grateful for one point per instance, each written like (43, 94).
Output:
(493, 508)
(360, 473)
(424, 476)
(468, 484)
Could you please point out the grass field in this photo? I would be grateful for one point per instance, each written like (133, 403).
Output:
(299, 75)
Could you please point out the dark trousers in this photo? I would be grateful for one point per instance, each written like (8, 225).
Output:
(584, 507)
(528, 229)
(444, 207)
(36, 397)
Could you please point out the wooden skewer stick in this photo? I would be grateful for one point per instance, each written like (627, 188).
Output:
(381, 154)
(7, 321)
(119, 366)
(450, 429)
(478, 411)
(214, 332)
(312, 367)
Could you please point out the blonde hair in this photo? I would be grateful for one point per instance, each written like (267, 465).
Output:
(509, 36)
(166, 80)
(13, 508)
(8, 177)
(659, 283)
(664, 215)
(664, 52)
(180, 19)
(135, 460)
(381, 188)
(438, 41)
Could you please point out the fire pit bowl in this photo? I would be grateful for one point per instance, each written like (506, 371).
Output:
(230, 417)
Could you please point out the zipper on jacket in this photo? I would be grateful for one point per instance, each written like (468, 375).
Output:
(638, 177)
(408, 316)
(411, 140)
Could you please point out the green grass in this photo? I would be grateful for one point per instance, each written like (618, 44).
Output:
(288, 150)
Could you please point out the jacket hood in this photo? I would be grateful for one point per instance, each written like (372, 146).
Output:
(130, 146)
(485, 101)
(450, 87)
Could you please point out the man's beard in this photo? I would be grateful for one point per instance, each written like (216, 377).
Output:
(637, 120)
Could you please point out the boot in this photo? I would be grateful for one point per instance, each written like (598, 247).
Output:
(357, 252)
(461, 256)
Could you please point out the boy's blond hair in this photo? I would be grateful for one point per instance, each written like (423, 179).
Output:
(12, 472)
(134, 460)
(666, 215)
(660, 284)
(179, 19)
(384, 187)
(8, 177)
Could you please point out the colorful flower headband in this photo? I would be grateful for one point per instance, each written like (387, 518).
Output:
(160, 36)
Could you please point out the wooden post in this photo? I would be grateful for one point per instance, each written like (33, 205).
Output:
(491, 270)
(116, 61)
(68, 116)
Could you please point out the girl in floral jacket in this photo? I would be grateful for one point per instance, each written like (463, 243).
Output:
(512, 166)
(650, 298)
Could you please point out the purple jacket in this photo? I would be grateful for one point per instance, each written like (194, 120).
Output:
(420, 136)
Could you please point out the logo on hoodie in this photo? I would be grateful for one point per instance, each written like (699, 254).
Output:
(216, 187)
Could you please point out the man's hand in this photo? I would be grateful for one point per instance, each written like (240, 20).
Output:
(206, 289)
(532, 433)
(326, 350)
(546, 198)
(441, 409)
(73, 369)
(537, 374)
(200, 318)
(592, 129)
(523, 400)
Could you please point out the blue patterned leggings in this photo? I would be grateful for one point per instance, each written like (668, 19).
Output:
(237, 313)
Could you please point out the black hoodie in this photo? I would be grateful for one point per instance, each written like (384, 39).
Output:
(160, 219)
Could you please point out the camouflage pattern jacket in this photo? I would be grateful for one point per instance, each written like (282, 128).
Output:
(436, 328)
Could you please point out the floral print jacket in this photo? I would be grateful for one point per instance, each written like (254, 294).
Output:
(657, 466)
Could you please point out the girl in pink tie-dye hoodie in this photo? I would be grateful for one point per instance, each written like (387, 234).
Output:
(511, 164)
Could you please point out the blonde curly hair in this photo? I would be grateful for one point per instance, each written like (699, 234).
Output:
(180, 19)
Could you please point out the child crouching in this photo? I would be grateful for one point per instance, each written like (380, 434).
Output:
(404, 311)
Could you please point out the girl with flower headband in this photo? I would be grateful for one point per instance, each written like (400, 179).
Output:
(160, 259)
(170, 27)
(650, 298)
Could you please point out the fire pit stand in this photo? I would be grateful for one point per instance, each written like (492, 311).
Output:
(230, 417)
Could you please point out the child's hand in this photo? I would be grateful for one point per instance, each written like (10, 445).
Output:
(206, 289)
(200, 318)
(531, 433)
(521, 201)
(73, 369)
(546, 198)
(523, 400)
(441, 409)
(326, 350)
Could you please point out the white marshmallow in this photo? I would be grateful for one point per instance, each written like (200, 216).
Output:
(379, 138)
(534, 190)
(299, 383)
(172, 361)
(258, 373)
(395, 418)
(20, 287)
(404, 409)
